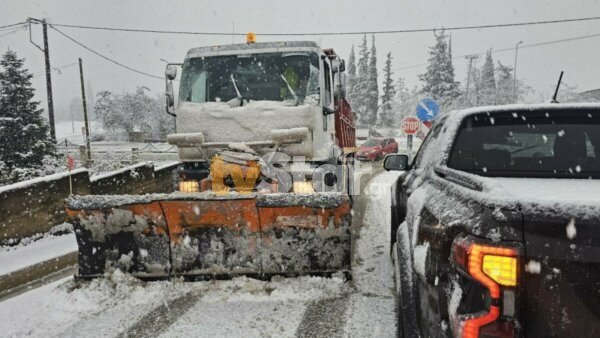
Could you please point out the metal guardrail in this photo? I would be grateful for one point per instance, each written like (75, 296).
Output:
(149, 152)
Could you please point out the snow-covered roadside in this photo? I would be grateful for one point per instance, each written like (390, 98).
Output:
(19, 257)
(371, 311)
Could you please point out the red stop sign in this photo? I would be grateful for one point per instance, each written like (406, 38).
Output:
(410, 125)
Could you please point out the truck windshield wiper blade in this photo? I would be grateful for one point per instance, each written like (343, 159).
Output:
(290, 89)
(239, 95)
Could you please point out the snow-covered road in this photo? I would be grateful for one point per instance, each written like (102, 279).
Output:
(121, 306)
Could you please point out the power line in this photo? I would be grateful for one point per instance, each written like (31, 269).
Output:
(13, 31)
(12, 25)
(399, 31)
(55, 69)
(104, 57)
(510, 49)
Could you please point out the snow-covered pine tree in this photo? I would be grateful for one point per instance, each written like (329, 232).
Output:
(373, 87)
(24, 135)
(351, 81)
(386, 112)
(439, 80)
(488, 81)
(360, 91)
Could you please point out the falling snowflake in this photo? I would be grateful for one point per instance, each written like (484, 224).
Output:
(533, 267)
(571, 230)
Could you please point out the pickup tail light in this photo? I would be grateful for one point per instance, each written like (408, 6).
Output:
(496, 268)
(471, 326)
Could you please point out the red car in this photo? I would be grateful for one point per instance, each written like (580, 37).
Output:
(375, 149)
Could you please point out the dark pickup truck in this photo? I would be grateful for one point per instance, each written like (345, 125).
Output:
(496, 224)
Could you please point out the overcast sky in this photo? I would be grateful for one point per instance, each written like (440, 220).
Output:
(538, 67)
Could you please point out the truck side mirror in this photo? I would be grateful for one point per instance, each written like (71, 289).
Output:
(340, 86)
(170, 97)
(395, 162)
(328, 110)
(338, 65)
(171, 72)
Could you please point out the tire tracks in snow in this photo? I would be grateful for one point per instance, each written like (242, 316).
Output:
(323, 318)
(159, 319)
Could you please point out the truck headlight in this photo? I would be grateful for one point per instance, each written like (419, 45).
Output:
(303, 187)
(189, 186)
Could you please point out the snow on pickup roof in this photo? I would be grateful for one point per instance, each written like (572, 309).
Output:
(460, 114)
(439, 150)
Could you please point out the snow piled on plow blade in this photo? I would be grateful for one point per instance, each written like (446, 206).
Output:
(212, 235)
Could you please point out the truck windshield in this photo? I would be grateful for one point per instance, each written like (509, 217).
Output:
(266, 76)
(555, 143)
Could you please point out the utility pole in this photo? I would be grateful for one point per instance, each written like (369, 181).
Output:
(470, 58)
(48, 74)
(514, 91)
(72, 119)
(85, 117)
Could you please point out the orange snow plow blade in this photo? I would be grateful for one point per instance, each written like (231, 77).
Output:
(212, 235)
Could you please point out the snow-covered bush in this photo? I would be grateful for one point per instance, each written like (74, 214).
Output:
(50, 165)
(133, 112)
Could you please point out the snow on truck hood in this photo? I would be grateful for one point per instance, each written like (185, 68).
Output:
(219, 122)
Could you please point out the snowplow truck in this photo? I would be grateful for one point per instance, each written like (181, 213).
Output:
(266, 140)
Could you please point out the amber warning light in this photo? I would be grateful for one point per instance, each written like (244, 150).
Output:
(250, 38)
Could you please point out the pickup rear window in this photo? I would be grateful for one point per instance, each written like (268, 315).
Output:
(553, 143)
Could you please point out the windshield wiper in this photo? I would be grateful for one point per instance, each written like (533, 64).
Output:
(291, 90)
(239, 95)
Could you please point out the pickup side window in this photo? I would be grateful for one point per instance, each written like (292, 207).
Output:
(555, 143)
(433, 134)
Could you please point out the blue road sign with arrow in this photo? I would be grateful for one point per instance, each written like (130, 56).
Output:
(427, 109)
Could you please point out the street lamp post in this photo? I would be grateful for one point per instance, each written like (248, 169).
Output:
(514, 89)
(470, 58)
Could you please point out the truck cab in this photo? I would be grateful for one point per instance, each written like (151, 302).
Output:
(247, 93)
